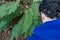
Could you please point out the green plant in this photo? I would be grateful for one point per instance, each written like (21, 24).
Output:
(27, 17)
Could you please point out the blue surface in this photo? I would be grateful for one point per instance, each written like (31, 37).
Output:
(47, 31)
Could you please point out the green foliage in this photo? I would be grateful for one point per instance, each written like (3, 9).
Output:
(7, 8)
(32, 19)
(17, 29)
(8, 15)
(37, 1)
(7, 19)
(26, 24)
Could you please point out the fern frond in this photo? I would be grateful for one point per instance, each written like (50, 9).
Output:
(17, 29)
(8, 8)
(32, 19)
(8, 18)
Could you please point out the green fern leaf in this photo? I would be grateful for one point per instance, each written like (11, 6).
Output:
(17, 29)
(8, 8)
(7, 19)
(27, 21)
